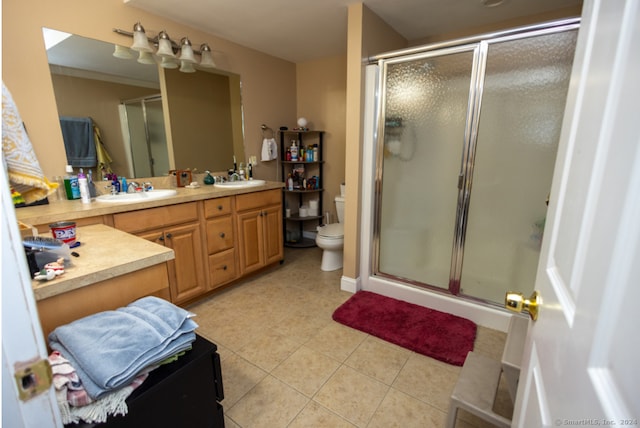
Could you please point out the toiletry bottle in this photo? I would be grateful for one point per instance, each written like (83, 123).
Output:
(294, 151)
(250, 171)
(290, 182)
(71, 184)
(288, 155)
(315, 153)
(116, 184)
(123, 186)
(92, 186)
(84, 187)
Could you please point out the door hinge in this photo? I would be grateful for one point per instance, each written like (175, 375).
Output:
(33, 378)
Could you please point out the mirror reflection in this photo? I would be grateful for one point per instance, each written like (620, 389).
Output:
(150, 119)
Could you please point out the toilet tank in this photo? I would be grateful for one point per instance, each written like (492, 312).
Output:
(340, 208)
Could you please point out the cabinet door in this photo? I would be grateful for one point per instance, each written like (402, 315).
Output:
(272, 229)
(251, 241)
(186, 271)
(188, 268)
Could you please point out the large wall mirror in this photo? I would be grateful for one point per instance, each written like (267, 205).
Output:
(150, 119)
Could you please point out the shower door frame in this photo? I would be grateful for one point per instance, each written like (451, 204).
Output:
(480, 47)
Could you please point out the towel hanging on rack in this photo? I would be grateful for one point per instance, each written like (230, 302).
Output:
(269, 149)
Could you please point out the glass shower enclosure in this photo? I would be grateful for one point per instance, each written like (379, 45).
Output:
(467, 136)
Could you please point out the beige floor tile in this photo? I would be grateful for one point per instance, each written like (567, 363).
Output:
(306, 370)
(352, 395)
(314, 415)
(268, 349)
(271, 403)
(403, 411)
(238, 377)
(336, 341)
(378, 359)
(428, 380)
(301, 326)
(233, 333)
(229, 423)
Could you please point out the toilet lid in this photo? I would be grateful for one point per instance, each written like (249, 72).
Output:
(334, 230)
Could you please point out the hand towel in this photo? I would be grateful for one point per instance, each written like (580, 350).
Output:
(269, 149)
(25, 174)
(79, 143)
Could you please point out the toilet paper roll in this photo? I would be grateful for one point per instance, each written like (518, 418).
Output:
(313, 205)
(303, 212)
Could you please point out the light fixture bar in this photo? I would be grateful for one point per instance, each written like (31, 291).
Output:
(153, 40)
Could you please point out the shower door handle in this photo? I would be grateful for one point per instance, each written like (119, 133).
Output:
(516, 302)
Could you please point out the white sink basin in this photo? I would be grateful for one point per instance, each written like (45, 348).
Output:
(240, 184)
(137, 197)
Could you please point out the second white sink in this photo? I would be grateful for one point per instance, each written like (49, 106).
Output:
(240, 184)
(137, 197)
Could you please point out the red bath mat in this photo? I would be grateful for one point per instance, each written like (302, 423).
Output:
(442, 336)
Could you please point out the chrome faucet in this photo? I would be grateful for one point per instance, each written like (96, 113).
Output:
(133, 187)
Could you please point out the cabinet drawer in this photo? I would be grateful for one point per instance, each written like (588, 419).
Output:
(219, 234)
(153, 218)
(217, 207)
(258, 199)
(222, 267)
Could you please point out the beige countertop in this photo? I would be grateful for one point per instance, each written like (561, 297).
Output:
(105, 253)
(73, 210)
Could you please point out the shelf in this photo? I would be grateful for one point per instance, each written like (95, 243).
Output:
(301, 191)
(303, 243)
(300, 169)
(296, 162)
(309, 217)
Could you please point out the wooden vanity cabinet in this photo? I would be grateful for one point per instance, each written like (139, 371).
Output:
(259, 222)
(221, 251)
(176, 227)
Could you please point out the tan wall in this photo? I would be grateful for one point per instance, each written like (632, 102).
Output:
(268, 83)
(367, 35)
(321, 94)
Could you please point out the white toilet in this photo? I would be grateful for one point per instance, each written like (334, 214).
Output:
(330, 238)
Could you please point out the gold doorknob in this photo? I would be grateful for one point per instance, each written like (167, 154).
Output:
(516, 302)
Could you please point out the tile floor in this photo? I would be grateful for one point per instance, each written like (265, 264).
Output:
(286, 363)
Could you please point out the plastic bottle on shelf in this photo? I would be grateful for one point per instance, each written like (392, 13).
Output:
(316, 157)
(290, 183)
(294, 151)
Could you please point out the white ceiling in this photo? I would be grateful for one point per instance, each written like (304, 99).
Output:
(302, 30)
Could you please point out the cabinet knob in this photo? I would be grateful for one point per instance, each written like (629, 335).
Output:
(168, 235)
(224, 267)
(222, 234)
(219, 207)
(161, 238)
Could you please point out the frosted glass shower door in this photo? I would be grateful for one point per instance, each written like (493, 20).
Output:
(524, 93)
(424, 108)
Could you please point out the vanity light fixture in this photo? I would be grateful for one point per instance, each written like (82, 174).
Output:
(206, 60)
(167, 50)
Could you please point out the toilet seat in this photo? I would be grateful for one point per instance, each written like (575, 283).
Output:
(331, 231)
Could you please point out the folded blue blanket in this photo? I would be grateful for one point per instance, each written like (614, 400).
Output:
(110, 348)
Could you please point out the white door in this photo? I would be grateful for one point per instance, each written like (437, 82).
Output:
(580, 365)
(22, 340)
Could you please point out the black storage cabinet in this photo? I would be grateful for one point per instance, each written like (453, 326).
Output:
(184, 393)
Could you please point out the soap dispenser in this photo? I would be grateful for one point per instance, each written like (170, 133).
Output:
(208, 179)
(294, 151)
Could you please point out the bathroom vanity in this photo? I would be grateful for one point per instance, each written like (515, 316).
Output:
(207, 238)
